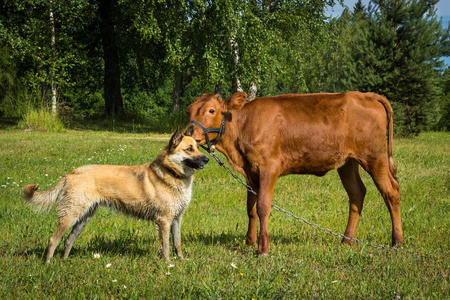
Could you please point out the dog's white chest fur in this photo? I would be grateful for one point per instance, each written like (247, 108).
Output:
(178, 196)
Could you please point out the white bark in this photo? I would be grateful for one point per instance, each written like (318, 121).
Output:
(53, 45)
(252, 90)
(235, 55)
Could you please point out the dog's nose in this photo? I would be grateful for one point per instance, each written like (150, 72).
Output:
(205, 159)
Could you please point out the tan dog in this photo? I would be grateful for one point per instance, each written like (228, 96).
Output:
(159, 190)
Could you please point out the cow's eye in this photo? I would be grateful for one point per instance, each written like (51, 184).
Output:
(190, 149)
(211, 111)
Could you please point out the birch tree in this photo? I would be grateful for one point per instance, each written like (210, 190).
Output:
(52, 65)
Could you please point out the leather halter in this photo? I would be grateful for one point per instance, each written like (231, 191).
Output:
(219, 130)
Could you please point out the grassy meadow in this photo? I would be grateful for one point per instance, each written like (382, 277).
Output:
(304, 263)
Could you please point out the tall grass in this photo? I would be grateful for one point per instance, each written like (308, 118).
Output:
(304, 263)
(41, 120)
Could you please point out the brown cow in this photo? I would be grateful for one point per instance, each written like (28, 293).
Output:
(304, 134)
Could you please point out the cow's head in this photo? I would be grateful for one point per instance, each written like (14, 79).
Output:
(209, 111)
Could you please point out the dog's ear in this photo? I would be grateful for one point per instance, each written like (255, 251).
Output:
(175, 139)
(190, 130)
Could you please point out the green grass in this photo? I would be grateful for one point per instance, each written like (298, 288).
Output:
(304, 262)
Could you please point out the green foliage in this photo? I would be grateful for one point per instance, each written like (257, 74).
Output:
(25, 30)
(396, 52)
(304, 261)
(444, 121)
(170, 52)
(41, 120)
(11, 93)
(150, 104)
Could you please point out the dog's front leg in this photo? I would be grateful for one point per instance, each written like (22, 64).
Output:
(164, 234)
(176, 235)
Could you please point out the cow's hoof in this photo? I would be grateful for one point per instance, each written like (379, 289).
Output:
(250, 242)
(346, 241)
(397, 244)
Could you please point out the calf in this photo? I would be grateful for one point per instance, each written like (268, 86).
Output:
(303, 134)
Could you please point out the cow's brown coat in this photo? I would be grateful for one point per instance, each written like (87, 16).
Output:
(305, 134)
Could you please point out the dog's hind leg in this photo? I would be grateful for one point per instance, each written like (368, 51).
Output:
(77, 229)
(176, 235)
(64, 223)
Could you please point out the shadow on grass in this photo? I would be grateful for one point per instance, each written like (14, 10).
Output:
(39, 252)
(133, 124)
(98, 244)
(125, 124)
(8, 123)
(238, 239)
(117, 126)
(149, 246)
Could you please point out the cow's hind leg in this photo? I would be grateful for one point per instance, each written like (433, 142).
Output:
(349, 174)
(77, 229)
(389, 189)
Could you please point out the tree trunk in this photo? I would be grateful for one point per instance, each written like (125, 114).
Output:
(236, 80)
(177, 91)
(219, 89)
(252, 90)
(267, 6)
(52, 66)
(111, 85)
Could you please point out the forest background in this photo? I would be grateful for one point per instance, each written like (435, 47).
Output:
(146, 61)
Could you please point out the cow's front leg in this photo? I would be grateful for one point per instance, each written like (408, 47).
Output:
(264, 205)
(252, 219)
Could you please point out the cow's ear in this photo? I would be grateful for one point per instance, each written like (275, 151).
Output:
(235, 102)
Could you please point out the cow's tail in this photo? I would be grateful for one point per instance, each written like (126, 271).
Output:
(390, 133)
(43, 200)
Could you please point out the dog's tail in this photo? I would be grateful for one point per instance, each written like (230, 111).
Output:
(43, 200)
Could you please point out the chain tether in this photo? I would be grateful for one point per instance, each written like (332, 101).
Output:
(302, 220)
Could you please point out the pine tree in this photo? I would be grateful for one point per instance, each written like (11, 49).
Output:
(397, 53)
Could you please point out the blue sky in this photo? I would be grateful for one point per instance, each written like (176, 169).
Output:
(443, 11)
